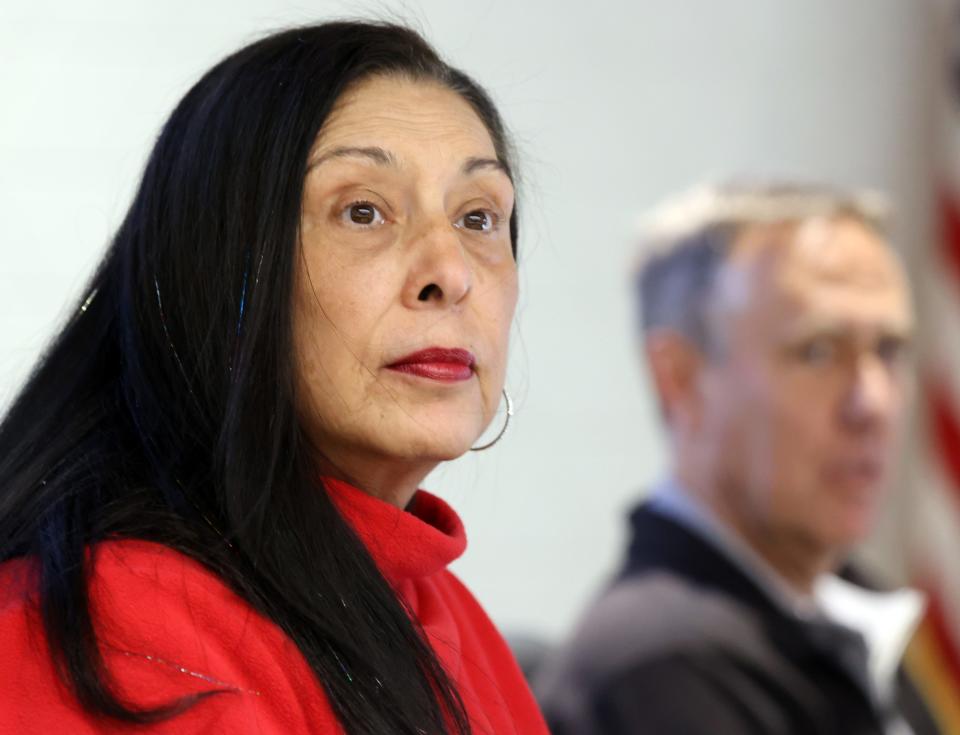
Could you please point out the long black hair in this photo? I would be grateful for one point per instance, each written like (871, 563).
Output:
(165, 409)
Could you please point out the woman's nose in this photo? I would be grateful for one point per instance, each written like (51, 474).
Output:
(440, 274)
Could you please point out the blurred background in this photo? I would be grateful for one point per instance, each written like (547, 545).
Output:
(613, 106)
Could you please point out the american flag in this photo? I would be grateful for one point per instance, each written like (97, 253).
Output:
(930, 520)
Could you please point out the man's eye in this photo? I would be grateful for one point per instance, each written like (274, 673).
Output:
(362, 213)
(479, 220)
(891, 349)
(816, 352)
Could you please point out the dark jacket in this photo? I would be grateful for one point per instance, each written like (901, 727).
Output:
(684, 643)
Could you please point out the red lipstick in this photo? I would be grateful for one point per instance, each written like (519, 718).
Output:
(437, 363)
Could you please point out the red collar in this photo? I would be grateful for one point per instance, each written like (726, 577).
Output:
(416, 542)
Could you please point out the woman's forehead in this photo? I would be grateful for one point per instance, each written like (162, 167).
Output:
(403, 116)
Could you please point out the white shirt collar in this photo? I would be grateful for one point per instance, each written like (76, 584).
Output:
(886, 620)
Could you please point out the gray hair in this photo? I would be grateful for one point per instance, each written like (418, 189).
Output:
(686, 240)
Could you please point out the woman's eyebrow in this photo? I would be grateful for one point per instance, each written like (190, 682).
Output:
(472, 165)
(376, 154)
(382, 157)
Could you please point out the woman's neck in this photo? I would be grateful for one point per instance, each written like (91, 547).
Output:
(390, 480)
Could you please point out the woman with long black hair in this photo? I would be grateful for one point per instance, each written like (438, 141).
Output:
(209, 509)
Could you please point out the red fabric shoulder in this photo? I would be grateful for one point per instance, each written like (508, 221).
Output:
(168, 628)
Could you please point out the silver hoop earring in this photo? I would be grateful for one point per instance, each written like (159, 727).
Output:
(503, 429)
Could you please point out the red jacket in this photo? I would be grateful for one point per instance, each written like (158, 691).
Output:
(169, 627)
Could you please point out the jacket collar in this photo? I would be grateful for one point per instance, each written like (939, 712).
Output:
(418, 541)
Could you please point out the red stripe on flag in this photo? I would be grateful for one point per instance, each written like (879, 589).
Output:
(945, 426)
(950, 235)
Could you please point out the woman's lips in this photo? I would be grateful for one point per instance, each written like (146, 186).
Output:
(437, 363)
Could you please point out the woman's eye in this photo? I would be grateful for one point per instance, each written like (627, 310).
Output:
(480, 220)
(362, 213)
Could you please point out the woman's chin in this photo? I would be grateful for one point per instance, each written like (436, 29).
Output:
(441, 433)
(440, 448)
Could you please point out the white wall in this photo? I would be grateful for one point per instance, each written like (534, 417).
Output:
(614, 105)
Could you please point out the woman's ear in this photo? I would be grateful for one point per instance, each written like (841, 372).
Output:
(675, 368)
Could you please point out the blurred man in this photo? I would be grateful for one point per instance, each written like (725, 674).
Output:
(776, 325)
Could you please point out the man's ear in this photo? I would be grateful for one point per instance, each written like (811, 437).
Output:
(675, 368)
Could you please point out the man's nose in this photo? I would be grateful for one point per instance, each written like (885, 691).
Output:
(871, 397)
